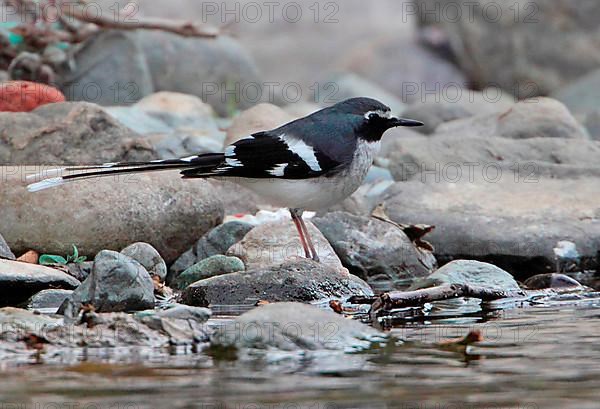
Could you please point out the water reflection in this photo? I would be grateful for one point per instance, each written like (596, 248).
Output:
(541, 356)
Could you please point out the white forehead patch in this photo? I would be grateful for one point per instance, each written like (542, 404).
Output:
(379, 112)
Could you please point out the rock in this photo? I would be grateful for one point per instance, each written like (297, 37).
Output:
(218, 70)
(148, 257)
(236, 199)
(421, 74)
(514, 225)
(177, 125)
(581, 97)
(178, 311)
(122, 67)
(19, 281)
(277, 242)
(31, 257)
(117, 283)
(177, 105)
(209, 267)
(215, 242)
(434, 114)
(350, 85)
(15, 322)
(138, 120)
(111, 69)
(551, 280)
(47, 299)
(185, 312)
(363, 201)
(302, 108)
(5, 250)
(374, 250)
(159, 208)
(180, 143)
(539, 117)
(377, 174)
(80, 271)
(182, 323)
(68, 133)
(592, 123)
(110, 331)
(261, 117)
(441, 108)
(293, 326)
(470, 272)
(299, 280)
(25, 96)
(533, 53)
(451, 158)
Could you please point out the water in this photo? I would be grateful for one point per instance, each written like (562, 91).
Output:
(541, 356)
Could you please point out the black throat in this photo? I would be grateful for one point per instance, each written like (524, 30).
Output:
(373, 130)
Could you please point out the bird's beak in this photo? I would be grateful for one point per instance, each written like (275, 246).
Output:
(404, 122)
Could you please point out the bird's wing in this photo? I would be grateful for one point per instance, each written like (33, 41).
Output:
(272, 154)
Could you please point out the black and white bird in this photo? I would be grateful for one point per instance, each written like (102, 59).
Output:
(308, 164)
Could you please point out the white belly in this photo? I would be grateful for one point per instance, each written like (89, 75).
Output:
(316, 193)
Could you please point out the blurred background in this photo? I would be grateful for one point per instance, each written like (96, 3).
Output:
(325, 51)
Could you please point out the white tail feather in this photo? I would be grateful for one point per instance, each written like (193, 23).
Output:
(49, 173)
(46, 184)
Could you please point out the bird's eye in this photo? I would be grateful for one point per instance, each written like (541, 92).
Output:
(373, 117)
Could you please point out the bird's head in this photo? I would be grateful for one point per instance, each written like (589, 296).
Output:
(372, 118)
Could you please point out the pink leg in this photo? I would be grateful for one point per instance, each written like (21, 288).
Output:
(311, 246)
(297, 219)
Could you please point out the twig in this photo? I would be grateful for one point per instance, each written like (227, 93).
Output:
(185, 29)
(402, 299)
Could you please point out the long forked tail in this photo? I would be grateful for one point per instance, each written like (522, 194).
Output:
(205, 165)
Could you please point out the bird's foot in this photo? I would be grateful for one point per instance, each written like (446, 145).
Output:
(316, 258)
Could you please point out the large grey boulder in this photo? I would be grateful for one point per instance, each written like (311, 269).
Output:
(19, 281)
(514, 225)
(108, 213)
(300, 280)
(68, 133)
(532, 118)
(111, 69)
(452, 157)
(436, 109)
(207, 68)
(290, 326)
(122, 67)
(526, 47)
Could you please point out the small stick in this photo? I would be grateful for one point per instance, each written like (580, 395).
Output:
(403, 299)
(186, 29)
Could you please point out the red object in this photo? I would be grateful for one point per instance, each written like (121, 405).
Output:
(25, 96)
